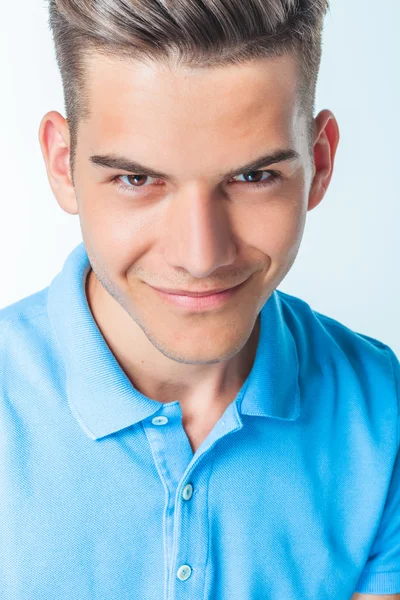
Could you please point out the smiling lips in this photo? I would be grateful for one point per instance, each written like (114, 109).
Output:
(192, 302)
(194, 294)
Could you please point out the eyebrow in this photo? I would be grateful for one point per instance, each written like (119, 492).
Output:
(113, 161)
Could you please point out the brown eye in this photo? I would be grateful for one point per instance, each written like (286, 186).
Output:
(255, 178)
(133, 179)
(133, 184)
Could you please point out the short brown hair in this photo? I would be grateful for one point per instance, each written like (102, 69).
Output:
(197, 33)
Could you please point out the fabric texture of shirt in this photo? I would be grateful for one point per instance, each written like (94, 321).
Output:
(293, 495)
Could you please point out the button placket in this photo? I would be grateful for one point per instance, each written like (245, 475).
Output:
(184, 571)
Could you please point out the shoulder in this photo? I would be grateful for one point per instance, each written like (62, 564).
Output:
(313, 321)
(21, 313)
(26, 336)
(323, 339)
(30, 360)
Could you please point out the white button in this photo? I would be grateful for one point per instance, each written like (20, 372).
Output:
(184, 572)
(187, 491)
(159, 420)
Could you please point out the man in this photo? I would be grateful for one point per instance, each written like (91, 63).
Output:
(173, 426)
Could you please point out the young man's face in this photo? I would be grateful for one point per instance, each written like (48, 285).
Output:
(197, 229)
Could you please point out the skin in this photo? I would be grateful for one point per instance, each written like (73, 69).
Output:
(375, 597)
(197, 230)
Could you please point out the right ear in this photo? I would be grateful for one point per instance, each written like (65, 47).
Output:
(54, 140)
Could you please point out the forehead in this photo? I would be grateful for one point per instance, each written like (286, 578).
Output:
(155, 104)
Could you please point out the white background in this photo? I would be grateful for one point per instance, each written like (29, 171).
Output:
(347, 266)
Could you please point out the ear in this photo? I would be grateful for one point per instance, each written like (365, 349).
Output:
(326, 142)
(54, 140)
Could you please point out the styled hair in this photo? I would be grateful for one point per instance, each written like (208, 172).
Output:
(190, 33)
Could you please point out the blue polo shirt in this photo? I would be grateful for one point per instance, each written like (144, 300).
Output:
(294, 494)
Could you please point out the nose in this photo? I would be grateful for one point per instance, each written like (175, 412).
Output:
(198, 232)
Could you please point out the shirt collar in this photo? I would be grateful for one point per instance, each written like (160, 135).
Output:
(101, 396)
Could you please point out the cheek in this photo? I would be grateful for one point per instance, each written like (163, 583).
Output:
(112, 231)
(278, 229)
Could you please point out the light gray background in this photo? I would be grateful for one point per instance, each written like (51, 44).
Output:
(347, 266)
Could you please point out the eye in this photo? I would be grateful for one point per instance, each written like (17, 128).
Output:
(130, 179)
(272, 177)
(130, 187)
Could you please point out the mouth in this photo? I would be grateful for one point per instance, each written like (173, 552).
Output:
(200, 302)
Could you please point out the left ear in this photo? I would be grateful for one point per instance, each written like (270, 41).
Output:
(326, 142)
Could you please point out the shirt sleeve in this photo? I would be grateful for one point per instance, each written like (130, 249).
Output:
(381, 574)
